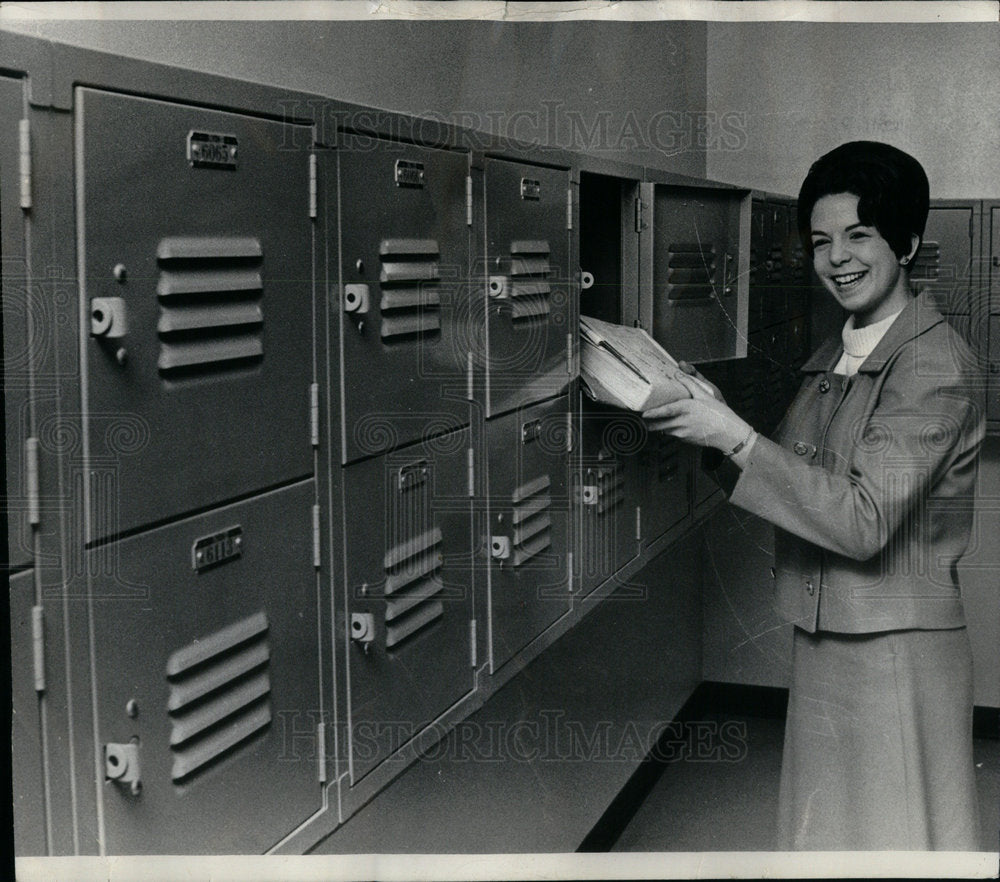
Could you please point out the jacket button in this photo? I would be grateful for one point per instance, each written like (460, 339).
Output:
(809, 587)
(824, 385)
(801, 448)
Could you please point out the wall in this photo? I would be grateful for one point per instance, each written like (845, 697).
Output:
(932, 90)
(631, 91)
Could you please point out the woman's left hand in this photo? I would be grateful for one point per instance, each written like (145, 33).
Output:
(700, 419)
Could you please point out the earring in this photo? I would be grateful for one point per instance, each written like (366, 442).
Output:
(904, 261)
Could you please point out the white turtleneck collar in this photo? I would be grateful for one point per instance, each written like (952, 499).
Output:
(859, 343)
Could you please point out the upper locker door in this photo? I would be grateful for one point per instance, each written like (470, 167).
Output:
(530, 314)
(196, 267)
(404, 266)
(16, 354)
(945, 264)
(690, 263)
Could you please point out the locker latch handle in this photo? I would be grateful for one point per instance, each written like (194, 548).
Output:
(121, 764)
(363, 629)
(108, 318)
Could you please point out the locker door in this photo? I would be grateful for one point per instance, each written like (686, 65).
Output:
(528, 521)
(760, 227)
(993, 268)
(798, 271)
(693, 263)
(207, 680)
(666, 485)
(404, 304)
(530, 310)
(196, 287)
(775, 303)
(943, 265)
(607, 486)
(14, 286)
(408, 580)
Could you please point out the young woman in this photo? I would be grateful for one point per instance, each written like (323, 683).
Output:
(869, 484)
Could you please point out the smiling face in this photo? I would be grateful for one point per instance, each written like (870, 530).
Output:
(854, 263)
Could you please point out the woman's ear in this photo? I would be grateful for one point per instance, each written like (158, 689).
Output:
(907, 259)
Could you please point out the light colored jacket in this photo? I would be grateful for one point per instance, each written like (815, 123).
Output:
(870, 482)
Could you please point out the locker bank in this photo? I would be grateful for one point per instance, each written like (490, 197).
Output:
(305, 495)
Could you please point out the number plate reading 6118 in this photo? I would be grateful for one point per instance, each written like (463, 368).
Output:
(210, 551)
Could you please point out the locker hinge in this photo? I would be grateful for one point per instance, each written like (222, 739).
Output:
(321, 750)
(24, 152)
(468, 377)
(569, 570)
(638, 215)
(472, 473)
(38, 647)
(31, 465)
(569, 354)
(314, 414)
(569, 208)
(638, 523)
(472, 641)
(312, 185)
(316, 558)
(468, 200)
(569, 432)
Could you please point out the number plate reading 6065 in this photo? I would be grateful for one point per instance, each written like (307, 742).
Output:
(210, 551)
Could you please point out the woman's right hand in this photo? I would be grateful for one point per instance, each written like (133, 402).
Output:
(691, 370)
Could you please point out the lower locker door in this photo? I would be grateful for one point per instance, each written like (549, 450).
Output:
(206, 655)
(528, 527)
(607, 492)
(409, 593)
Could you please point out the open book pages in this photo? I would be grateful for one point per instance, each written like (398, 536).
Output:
(627, 368)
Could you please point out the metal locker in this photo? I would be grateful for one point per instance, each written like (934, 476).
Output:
(760, 237)
(408, 624)
(526, 531)
(993, 393)
(207, 680)
(992, 242)
(15, 287)
(606, 487)
(947, 256)
(798, 269)
(665, 498)
(775, 305)
(694, 289)
(404, 300)
(196, 288)
(529, 298)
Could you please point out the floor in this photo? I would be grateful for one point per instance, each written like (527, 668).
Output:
(728, 801)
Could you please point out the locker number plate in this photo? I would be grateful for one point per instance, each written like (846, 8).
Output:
(210, 551)
(212, 150)
(531, 189)
(409, 173)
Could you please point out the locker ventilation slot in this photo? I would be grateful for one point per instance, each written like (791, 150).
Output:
(411, 298)
(529, 279)
(210, 291)
(667, 459)
(531, 520)
(690, 271)
(219, 695)
(927, 263)
(610, 488)
(412, 586)
(775, 264)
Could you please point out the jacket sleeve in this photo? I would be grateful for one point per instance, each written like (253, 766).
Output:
(922, 435)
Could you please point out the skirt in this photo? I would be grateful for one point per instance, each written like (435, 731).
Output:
(878, 743)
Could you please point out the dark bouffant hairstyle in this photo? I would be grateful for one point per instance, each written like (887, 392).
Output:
(891, 186)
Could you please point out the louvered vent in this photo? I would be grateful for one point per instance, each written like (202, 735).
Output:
(412, 586)
(927, 263)
(691, 271)
(610, 487)
(774, 265)
(210, 291)
(668, 456)
(219, 694)
(529, 284)
(410, 280)
(799, 272)
(532, 522)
